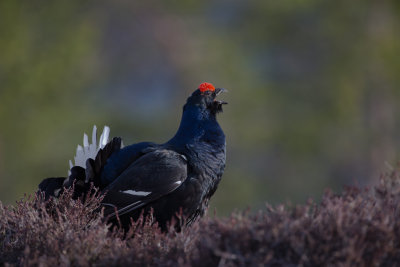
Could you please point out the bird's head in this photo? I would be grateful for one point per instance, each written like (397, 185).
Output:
(199, 117)
(205, 98)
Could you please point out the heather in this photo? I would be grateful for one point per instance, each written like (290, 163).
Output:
(359, 226)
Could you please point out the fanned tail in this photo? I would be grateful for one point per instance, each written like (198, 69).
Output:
(89, 162)
(90, 150)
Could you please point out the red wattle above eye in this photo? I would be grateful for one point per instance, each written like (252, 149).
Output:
(206, 87)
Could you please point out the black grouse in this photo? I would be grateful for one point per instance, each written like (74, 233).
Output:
(178, 176)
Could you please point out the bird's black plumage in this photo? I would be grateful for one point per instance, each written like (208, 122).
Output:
(178, 176)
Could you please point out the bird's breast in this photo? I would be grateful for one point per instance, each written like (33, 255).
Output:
(206, 161)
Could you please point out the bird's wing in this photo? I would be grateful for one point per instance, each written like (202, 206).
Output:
(155, 174)
(120, 160)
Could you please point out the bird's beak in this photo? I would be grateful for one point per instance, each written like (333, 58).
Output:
(217, 92)
(220, 90)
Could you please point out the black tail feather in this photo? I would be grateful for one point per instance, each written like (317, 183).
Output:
(95, 167)
(101, 158)
(52, 186)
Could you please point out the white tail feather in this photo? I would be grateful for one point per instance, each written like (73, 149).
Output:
(85, 140)
(104, 137)
(89, 150)
(70, 167)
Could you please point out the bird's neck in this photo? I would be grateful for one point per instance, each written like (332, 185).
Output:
(196, 125)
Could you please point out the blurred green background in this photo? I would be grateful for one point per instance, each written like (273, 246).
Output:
(314, 87)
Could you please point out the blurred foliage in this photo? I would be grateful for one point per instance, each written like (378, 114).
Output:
(314, 87)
